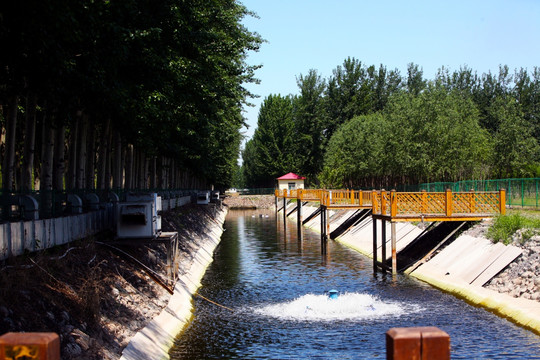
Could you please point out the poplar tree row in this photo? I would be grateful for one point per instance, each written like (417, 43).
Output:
(372, 128)
(122, 94)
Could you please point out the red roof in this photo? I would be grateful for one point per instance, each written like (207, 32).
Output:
(291, 176)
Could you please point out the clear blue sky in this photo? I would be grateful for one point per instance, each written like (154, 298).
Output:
(317, 34)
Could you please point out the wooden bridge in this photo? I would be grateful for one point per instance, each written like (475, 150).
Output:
(395, 207)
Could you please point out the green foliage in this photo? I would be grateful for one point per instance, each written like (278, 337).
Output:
(170, 75)
(516, 152)
(270, 153)
(505, 226)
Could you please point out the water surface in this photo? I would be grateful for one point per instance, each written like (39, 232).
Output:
(277, 288)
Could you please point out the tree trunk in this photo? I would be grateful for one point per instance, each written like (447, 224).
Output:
(46, 206)
(108, 158)
(91, 159)
(59, 158)
(129, 167)
(153, 172)
(81, 152)
(29, 144)
(102, 160)
(9, 159)
(71, 178)
(117, 163)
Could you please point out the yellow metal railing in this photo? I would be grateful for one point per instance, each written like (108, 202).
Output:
(310, 194)
(395, 204)
(346, 198)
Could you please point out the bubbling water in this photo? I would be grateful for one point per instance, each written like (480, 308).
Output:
(348, 306)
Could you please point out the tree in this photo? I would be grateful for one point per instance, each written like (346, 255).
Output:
(516, 150)
(309, 124)
(271, 152)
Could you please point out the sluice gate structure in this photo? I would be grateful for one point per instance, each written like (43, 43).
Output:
(393, 207)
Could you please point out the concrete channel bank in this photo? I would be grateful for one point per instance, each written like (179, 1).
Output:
(157, 338)
(461, 268)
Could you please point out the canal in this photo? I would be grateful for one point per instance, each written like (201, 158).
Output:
(274, 288)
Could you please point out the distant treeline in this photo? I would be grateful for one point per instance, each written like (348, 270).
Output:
(371, 127)
(122, 94)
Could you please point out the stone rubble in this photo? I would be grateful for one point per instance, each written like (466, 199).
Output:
(522, 277)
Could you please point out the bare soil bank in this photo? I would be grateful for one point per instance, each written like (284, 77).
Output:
(94, 299)
(250, 202)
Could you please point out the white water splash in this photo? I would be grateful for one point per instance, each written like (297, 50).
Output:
(348, 306)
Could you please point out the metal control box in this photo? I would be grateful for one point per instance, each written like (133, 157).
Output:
(138, 217)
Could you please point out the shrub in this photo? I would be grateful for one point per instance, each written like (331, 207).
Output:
(505, 226)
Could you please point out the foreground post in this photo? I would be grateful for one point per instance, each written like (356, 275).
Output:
(39, 346)
(422, 343)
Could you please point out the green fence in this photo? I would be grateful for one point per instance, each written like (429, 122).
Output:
(519, 192)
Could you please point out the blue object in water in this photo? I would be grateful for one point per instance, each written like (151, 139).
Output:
(333, 294)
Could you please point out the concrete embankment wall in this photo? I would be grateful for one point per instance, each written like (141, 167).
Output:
(461, 268)
(157, 338)
(19, 237)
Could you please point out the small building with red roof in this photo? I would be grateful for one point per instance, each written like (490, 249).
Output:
(290, 181)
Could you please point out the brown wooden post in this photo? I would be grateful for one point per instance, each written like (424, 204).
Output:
(502, 201)
(374, 204)
(422, 343)
(39, 346)
(374, 224)
(360, 198)
(394, 247)
(448, 202)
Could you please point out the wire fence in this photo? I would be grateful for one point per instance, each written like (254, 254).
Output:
(519, 192)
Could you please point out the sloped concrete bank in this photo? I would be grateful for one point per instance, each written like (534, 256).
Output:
(461, 270)
(156, 339)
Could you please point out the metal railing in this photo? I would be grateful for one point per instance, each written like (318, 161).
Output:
(522, 192)
(442, 204)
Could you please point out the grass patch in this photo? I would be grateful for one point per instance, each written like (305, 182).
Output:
(505, 226)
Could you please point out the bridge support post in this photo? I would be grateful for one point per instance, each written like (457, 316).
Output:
(323, 228)
(327, 223)
(284, 209)
(394, 251)
(374, 224)
(383, 242)
(299, 218)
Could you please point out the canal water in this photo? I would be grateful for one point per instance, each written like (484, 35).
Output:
(276, 288)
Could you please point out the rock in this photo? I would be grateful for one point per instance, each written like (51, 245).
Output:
(82, 339)
(65, 316)
(50, 315)
(72, 350)
(115, 292)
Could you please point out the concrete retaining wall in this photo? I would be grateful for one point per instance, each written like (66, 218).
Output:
(157, 338)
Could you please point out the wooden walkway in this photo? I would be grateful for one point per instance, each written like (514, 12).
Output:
(395, 207)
